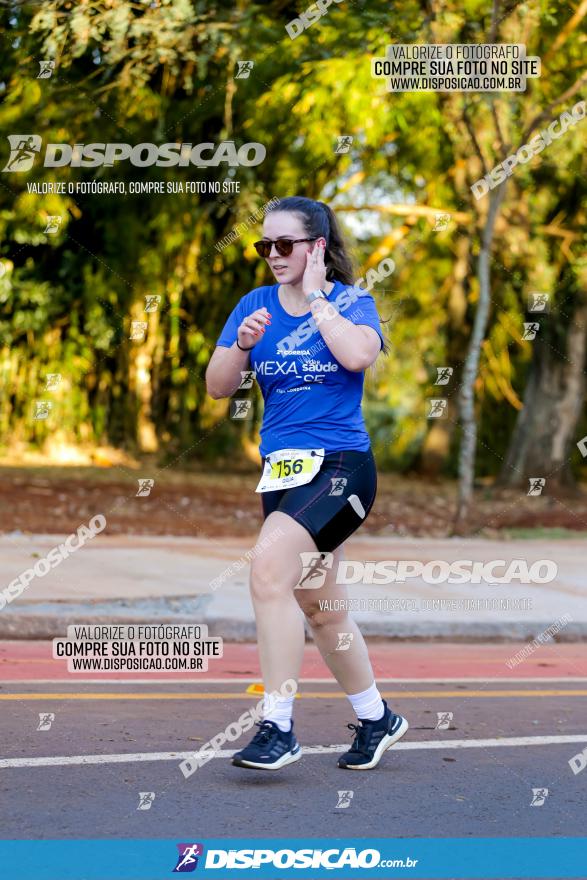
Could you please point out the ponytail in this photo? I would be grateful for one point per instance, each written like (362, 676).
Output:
(337, 259)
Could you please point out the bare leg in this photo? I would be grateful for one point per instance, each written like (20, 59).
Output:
(280, 623)
(351, 666)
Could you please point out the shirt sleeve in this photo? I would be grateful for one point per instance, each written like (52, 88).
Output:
(229, 333)
(364, 311)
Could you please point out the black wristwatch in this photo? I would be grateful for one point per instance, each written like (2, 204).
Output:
(244, 349)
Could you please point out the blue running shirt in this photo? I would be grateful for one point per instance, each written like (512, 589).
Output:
(311, 400)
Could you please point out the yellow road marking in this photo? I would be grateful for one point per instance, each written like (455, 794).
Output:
(312, 695)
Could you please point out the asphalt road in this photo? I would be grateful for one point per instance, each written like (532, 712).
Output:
(511, 731)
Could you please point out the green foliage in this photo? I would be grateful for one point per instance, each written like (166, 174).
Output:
(164, 72)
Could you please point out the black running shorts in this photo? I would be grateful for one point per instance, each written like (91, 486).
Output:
(334, 504)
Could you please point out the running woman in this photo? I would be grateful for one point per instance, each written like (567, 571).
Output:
(309, 338)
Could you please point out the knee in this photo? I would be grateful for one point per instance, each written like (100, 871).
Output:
(267, 581)
(318, 617)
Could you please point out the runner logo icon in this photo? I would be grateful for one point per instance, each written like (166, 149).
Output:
(187, 859)
(23, 149)
(314, 567)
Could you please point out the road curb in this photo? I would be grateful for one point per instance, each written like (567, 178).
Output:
(47, 620)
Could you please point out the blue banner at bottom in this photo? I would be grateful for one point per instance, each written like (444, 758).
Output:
(500, 858)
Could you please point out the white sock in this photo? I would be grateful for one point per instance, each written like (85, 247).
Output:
(280, 711)
(368, 705)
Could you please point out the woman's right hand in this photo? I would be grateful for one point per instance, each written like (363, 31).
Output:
(252, 328)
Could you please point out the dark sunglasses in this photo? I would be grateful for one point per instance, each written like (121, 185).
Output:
(283, 246)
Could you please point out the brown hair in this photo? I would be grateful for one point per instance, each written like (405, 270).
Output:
(320, 222)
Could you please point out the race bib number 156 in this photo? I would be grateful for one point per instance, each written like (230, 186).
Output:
(290, 467)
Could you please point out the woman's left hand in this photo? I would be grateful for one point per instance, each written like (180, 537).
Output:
(315, 271)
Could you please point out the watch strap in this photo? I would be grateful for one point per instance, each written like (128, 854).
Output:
(316, 294)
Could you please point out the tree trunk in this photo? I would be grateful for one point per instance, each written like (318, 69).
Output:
(545, 429)
(468, 423)
(436, 446)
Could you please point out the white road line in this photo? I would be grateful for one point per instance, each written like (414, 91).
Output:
(60, 761)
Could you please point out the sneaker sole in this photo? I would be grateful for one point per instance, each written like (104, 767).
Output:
(386, 743)
(288, 758)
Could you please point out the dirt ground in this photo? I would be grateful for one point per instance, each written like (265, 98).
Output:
(59, 499)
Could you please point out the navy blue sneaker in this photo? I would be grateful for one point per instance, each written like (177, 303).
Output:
(372, 738)
(270, 749)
